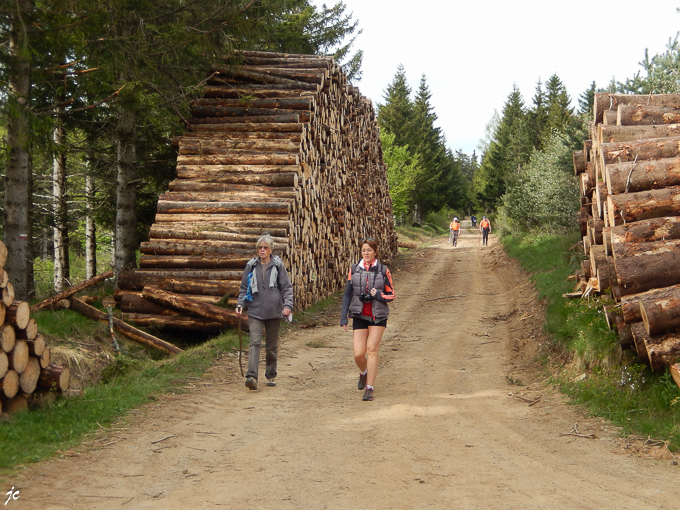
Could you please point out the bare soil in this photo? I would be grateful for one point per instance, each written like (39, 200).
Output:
(459, 419)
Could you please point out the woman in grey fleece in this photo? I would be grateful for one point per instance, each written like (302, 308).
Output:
(272, 299)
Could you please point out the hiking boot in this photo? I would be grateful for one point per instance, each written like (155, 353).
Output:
(362, 380)
(271, 382)
(251, 383)
(368, 394)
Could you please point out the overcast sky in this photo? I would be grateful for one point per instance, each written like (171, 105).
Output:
(473, 51)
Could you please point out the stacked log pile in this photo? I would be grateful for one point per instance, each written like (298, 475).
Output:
(25, 367)
(629, 172)
(279, 144)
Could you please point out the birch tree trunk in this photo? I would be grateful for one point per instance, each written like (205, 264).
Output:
(90, 228)
(17, 213)
(59, 208)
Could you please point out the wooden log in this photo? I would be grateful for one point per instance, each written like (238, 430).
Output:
(675, 372)
(278, 125)
(137, 281)
(194, 262)
(55, 378)
(639, 150)
(4, 278)
(635, 176)
(119, 294)
(282, 207)
(660, 309)
(181, 322)
(644, 266)
(131, 303)
(638, 114)
(597, 258)
(7, 295)
(288, 103)
(18, 357)
(280, 179)
(189, 247)
(183, 304)
(15, 404)
(608, 134)
(643, 205)
(29, 332)
(36, 346)
(663, 351)
(3, 254)
(626, 339)
(645, 231)
(607, 101)
(640, 337)
(9, 385)
(45, 357)
(71, 291)
(125, 329)
(4, 364)
(28, 379)
(7, 337)
(630, 308)
(18, 314)
(579, 160)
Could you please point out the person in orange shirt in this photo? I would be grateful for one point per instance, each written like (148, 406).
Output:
(454, 227)
(485, 229)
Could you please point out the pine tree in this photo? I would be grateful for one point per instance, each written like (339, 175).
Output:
(560, 111)
(586, 101)
(396, 113)
(538, 115)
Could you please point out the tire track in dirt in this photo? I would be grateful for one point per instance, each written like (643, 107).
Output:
(443, 431)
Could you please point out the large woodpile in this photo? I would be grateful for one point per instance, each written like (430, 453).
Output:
(25, 367)
(630, 220)
(280, 144)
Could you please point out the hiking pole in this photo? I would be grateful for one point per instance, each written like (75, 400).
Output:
(240, 345)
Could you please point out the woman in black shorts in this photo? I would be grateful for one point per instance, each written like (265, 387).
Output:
(368, 292)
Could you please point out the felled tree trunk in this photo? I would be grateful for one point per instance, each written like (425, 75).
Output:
(644, 266)
(643, 205)
(660, 309)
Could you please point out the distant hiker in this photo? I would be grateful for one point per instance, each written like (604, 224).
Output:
(368, 292)
(267, 292)
(485, 229)
(473, 220)
(454, 227)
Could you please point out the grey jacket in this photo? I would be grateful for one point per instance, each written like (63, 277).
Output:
(271, 294)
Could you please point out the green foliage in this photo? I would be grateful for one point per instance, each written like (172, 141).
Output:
(544, 195)
(403, 175)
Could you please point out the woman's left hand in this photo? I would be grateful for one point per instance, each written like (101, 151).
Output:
(374, 291)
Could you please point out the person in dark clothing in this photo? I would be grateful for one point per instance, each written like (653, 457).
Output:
(369, 290)
(267, 292)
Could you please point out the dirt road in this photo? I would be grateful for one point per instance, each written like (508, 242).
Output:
(447, 429)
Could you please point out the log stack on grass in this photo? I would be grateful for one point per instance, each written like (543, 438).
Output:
(25, 365)
(629, 172)
(279, 144)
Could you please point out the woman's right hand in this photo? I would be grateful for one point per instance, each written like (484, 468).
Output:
(344, 326)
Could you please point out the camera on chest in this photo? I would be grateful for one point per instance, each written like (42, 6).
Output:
(366, 297)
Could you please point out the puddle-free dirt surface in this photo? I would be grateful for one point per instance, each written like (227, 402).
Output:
(447, 428)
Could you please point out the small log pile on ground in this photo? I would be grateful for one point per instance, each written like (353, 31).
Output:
(25, 368)
(279, 144)
(629, 172)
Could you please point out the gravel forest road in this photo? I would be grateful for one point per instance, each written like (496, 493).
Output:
(447, 429)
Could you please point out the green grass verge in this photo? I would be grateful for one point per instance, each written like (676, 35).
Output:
(617, 388)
